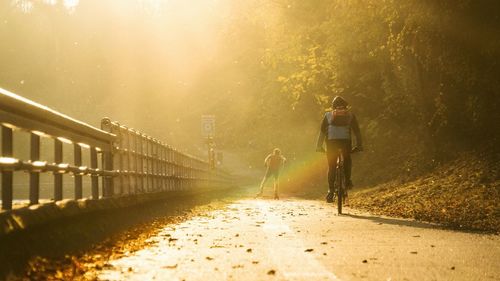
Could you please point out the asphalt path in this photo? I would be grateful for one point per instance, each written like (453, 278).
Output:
(296, 239)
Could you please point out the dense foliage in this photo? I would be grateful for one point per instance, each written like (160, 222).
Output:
(422, 75)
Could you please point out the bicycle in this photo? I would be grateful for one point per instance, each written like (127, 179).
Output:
(340, 184)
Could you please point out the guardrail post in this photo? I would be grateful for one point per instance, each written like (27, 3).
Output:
(58, 177)
(171, 172)
(108, 188)
(140, 147)
(148, 164)
(94, 178)
(107, 161)
(130, 162)
(191, 172)
(175, 169)
(126, 161)
(77, 149)
(7, 176)
(164, 166)
(118, 157)
(155, 166)
(183, 172)
(34, 176)
(133, 159)
(151, 165)
(168, 169)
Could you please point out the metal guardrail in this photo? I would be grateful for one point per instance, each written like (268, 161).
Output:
(132, 162)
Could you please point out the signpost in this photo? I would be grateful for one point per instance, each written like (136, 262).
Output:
(208, 126)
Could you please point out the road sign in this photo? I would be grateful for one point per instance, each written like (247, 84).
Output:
(208, 125)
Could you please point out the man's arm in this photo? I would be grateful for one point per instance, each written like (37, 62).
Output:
(322, 134)
(356, 131)
(266, 161)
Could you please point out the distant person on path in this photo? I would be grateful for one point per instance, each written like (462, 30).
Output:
(336, 130)
(274, 162)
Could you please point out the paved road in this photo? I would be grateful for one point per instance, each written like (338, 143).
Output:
(295, 239)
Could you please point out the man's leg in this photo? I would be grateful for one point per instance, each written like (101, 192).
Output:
(331, 154)
(331, 183)
(347, 163)
(348, 168)
(262, 184)
(276, 185)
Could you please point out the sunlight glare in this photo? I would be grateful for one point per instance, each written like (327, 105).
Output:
(25, 6)
(71, 4)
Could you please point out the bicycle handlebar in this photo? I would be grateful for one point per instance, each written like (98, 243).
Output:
(357, 149)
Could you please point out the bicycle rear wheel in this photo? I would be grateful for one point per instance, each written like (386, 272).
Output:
(340, 188)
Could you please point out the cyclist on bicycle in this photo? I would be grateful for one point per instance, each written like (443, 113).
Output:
(336, 130)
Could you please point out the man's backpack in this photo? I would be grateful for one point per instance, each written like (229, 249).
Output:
(341, 117)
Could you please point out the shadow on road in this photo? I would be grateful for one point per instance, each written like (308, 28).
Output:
(394, 221)
(408, 223)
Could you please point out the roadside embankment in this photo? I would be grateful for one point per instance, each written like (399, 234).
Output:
(68, 227)
(464, 194)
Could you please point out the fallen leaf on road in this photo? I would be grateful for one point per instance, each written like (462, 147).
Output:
(249, 250)
(271, 272)
(413, 252)
(309, 250)
(365, 261)
(209, 258)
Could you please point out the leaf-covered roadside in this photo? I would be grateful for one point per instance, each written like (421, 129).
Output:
(463, 194)
(87, 263)
(84, 266)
